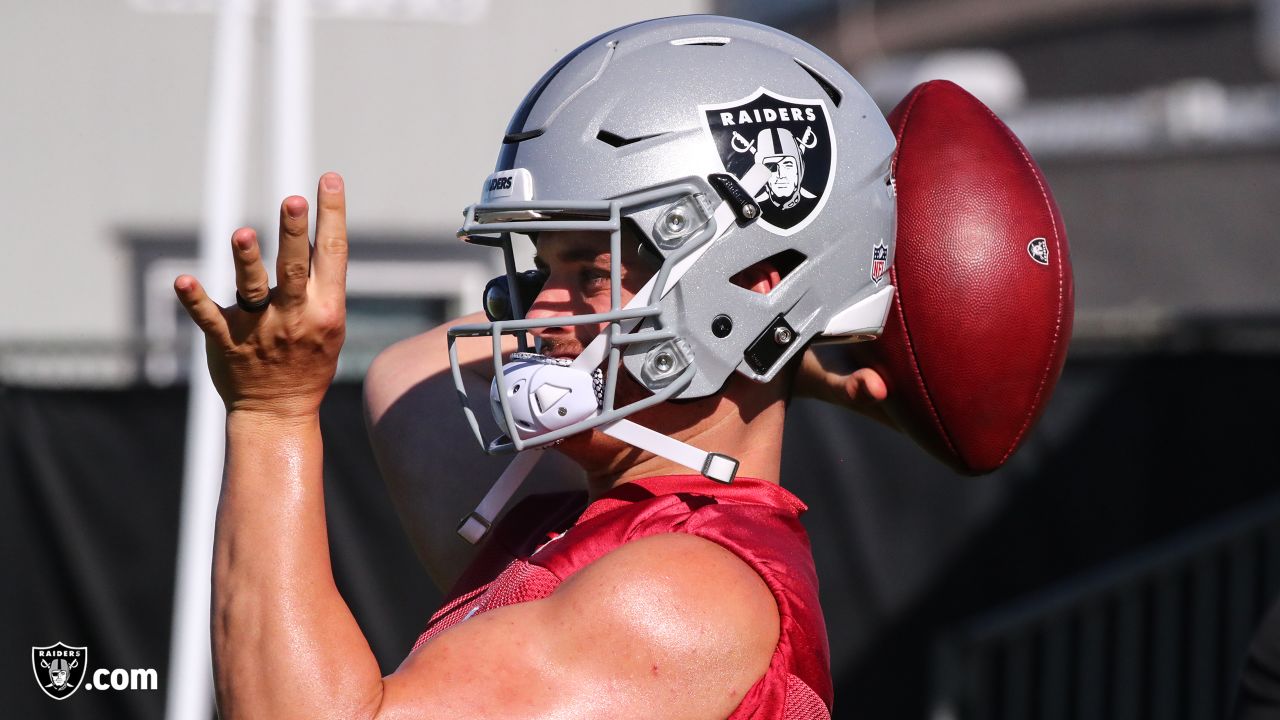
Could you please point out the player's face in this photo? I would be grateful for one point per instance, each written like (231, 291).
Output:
(785, 176)
(578, 283)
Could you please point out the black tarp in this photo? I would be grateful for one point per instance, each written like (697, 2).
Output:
(1132, 449)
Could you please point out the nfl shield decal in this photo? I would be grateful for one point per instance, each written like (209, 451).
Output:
(59, 669)
(879, 261)
(782, 151)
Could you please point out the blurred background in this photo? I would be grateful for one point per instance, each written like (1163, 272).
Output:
(1117, 567)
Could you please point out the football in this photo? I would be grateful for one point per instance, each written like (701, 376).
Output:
(978, 332)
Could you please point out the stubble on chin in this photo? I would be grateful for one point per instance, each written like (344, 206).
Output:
(561, 348)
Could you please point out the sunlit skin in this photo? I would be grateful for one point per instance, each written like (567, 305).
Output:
(671, 626)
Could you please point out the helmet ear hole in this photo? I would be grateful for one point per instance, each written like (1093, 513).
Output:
(767, 275)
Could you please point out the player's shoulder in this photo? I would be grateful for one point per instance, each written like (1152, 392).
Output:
(677, 585)
(404, 365)
(669, 626)
(392, 373)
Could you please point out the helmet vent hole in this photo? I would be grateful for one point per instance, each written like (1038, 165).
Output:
(616, 140)
(519, 137)
(827, 86)
(768, 275)
(714, 41)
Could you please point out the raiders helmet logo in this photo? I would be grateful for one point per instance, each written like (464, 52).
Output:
(782, 151)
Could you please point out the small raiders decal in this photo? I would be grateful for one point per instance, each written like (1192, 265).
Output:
(781, 150)
(1038, 249)
(879, 261)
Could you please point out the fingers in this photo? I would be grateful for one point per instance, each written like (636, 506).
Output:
(295, 257)
(866, 386)
(811, 377)
(331, 235)
(293, 262)
(205, 312)
(868, 390)
(251, 276)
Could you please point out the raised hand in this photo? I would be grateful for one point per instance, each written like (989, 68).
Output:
(275, 352)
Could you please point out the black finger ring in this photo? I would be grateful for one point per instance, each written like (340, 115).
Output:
(253, 307)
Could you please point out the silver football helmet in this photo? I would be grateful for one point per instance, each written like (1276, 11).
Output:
(722, 143)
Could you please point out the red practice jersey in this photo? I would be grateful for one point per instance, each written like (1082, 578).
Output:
(531, 552)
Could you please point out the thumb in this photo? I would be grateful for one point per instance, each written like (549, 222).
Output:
(865, 386)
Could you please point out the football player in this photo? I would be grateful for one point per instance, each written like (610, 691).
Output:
(648, 354)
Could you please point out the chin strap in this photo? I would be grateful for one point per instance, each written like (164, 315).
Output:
(475, 526)
(715, 466)
(720, 468)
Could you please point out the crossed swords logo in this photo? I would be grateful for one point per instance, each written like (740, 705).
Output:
(742, 144)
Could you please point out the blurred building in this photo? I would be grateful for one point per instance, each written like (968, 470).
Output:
(1157, 123)
(103, 139)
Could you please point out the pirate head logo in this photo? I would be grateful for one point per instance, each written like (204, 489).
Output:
(782, 151)
(1038, 249)
(59, 669)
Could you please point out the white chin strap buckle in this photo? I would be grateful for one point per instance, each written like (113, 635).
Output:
(473, 528)
(720, 468)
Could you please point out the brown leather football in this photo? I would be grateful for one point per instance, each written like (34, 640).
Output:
(978, 332)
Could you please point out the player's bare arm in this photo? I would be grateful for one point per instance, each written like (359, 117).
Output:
(285, 643)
